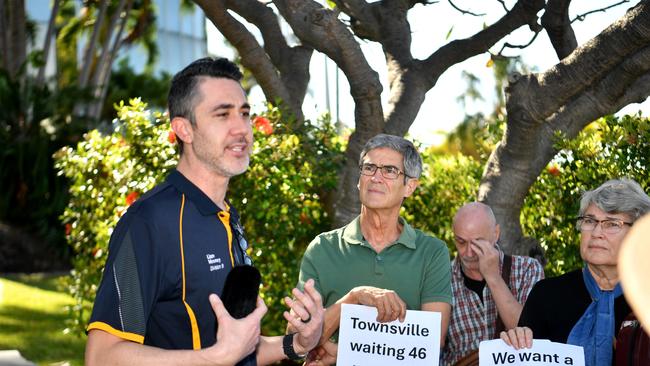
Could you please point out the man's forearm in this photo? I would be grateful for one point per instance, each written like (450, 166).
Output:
(106, 349)
(270, 350)
(507, 305)
(331, 322)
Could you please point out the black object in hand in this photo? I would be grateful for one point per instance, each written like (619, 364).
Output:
(240, 291)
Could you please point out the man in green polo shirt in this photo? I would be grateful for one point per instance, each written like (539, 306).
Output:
(378, 259)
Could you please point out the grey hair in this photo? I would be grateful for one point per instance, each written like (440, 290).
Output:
(411, 157)
(618, 196)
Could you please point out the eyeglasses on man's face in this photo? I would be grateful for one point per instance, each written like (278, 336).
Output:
(609, 226)
(387, 171)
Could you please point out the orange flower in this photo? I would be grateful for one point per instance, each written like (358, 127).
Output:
(171, 137)
(263, 125)
(554, 170)
(68, 229)
(131, 197)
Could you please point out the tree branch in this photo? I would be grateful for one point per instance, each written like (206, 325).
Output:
(558, 27)
(519, 46)
(252, 55)
(363, 19)
(84, 75)
(320, 28)
(40, 78)
(523, 13)
(291, 62)
(581, 17)
(589, 63)
(528, 143)
(406, 99)
(462, 11)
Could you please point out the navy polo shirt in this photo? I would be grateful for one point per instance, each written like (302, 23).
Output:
(171, 250)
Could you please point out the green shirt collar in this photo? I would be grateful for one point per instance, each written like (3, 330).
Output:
(352, 234)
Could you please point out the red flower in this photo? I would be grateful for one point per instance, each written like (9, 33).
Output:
(263, 125)
(96, 252)
(554, 170)
(171, 137)
(304, 218)
(68, 229)
(131, 197)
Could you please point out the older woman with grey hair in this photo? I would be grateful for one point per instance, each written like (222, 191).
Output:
(585, 307)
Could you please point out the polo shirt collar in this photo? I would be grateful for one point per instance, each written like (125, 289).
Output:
(203, 203)
(352, 234)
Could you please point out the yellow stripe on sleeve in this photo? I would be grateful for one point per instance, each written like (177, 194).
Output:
(118, 333)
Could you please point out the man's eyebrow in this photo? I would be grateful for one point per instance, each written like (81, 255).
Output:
(230, 106)
(223, 106)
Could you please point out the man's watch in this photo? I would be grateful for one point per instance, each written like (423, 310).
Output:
(287, 347)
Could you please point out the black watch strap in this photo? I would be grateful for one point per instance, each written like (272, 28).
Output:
(287, 347)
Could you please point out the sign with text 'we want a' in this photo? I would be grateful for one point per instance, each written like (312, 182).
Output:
(543, 353)
(363, 341)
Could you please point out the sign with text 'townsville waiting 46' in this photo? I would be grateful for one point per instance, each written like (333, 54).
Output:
(363, 341)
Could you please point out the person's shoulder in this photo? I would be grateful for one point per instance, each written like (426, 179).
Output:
(428, 240)
(155, 202)
(563, 282)
(522, 261)
(328, 237)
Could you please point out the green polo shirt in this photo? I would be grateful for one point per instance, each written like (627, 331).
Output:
(416, 266)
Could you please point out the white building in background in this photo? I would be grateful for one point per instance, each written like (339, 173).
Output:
(180, 36)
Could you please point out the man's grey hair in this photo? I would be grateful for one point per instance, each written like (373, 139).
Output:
(411, 157)
(624, 196)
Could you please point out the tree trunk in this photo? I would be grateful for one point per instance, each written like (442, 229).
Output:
(46, 43)
(105, 72)
(14, 34)
(597, 79)
(87, 62)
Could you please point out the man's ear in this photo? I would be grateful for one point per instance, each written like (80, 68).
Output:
(183, 129)
(411, 185)
(497, 232)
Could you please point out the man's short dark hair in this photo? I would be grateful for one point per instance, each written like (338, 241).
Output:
(184, 91)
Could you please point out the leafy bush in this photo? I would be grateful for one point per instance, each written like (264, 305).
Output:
(106, 173)
(283, 196)
(279, 198)
(609, 148)
(448, 181)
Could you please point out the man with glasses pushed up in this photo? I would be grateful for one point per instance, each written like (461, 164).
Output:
(378, 259)
(170, 253)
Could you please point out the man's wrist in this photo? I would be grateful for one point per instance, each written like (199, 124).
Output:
(492, 278)
(290, 350)
(349, 298)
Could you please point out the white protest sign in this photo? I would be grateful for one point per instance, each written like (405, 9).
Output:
(363, 341)
(543, 353)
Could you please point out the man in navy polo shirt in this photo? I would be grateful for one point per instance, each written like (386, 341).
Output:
(170, 253)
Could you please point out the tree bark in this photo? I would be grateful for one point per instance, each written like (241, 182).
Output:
(597, 79)
(557, 24)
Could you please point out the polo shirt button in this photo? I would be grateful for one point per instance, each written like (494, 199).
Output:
(378, 257)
